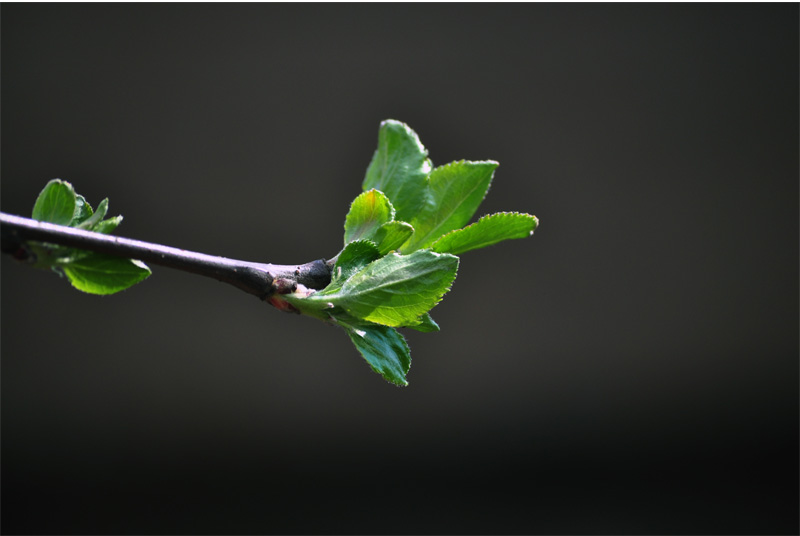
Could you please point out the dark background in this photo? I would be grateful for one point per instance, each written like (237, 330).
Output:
(632, 368)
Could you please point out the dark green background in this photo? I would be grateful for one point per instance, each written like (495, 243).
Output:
(632, 368)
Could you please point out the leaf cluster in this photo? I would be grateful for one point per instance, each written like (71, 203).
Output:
(91, 272)
(401, 238)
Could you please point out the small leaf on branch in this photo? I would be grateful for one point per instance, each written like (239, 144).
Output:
(108, 226)
(97, 217)
(83, 210)
(391, 235)
(383, 348)
(399, 167)
(454, 193)
(396, 289)
(367, 213)
(90, 272)
(426, 324)
(487, 231)
(56, 203)
(97, 273)
(353, 258)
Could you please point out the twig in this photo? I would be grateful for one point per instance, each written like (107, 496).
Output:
(259, 279)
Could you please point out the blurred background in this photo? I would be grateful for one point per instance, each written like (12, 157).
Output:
(630, 369)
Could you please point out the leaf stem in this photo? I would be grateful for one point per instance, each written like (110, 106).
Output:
(259, 279)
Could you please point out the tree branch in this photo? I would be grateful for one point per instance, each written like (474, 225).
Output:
(259, 279)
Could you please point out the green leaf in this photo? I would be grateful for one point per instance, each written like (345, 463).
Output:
(426, 324)
(454, 193)
(56, 203)
(353, 258)
(391, 235)
(395, 290)
(399, 167)
(487, 231)
(367, 213)
(383, 348)
(94, 219)
(104, 274)
(107, 226)
(83, 210)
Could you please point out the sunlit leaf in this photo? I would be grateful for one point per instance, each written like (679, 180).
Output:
(396, 289)
(487, 231)
(96, 273)
(399, 167)
(368, 212)
(383, 348)
(56, 203)
(391, 235)
(454, 193)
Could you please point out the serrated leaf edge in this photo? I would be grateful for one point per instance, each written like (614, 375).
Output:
(392, 211)
(348, 328)
(320, 297)
(484, 217)
(439, 296)
(444, 219)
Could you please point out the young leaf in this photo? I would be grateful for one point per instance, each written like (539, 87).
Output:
(383, 348)
(353, 258)
(391, 235)
(83, 210)
(399, 167)
(426, 324)
(487, 231)
(56, 203)
(396, 289)
(107, 226)
(454, 193)
(97, 217)
(367, 213)
(96, 273)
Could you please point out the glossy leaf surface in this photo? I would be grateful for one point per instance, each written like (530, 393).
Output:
(487, 231)
(396, 289)
(454, 193)
(93, 219)
(83, 210)
(107, 226)
(382, 347)
(368, 212)
(391, 235)
(426, 324)
(104, 274)
(353, 258)
(56, 203)
(399, 167)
